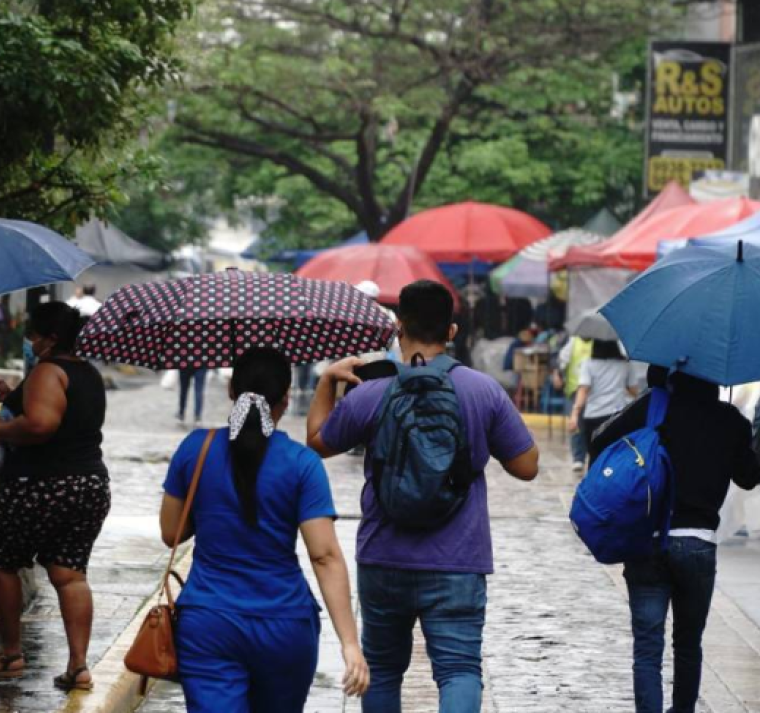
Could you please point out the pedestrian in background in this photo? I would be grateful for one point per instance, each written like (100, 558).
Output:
(197, 377)
(248, 632)
(607, 383)
(54, 487)
(566, 377)
(710, 444)
(438, 575)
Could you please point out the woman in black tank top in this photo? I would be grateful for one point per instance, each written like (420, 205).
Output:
(54, 491)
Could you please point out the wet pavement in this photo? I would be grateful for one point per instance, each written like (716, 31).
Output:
(557, 634)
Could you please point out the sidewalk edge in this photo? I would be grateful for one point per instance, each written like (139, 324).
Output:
(116, 689)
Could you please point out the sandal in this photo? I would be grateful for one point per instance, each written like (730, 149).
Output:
(6, 672)
(68, 681)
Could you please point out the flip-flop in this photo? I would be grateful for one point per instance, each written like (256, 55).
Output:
(6, 672)
(68, 681)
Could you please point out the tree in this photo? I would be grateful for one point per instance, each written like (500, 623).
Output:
(73, 76)
(360, 103)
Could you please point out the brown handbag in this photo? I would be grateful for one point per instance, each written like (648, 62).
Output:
(152, 653)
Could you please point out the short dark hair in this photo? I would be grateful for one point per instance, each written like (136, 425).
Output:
(90, 290)
(426, 311)
(606, 349)
(57, 319)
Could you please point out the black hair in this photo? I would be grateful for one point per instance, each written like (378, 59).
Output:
(57, 319)
(606, 349)
(426, 311)
(265, 372)
(89, 290)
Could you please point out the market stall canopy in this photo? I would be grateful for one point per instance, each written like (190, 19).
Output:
(391, 267)
(469, 231)
(747, 230)
(603, 223)
(635, 248)
(299, 256)
(108, 245)
(527, 273)
(672, 196)
(32, 255)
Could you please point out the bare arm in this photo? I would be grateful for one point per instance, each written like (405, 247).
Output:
(332, 574)
(525, 466)
(44, 406)
(323, 403)
(581, 397)
(171, 513)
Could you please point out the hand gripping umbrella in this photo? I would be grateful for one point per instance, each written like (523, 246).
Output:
(695, 310)
(209, 320)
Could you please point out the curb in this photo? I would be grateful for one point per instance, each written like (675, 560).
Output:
(542, 420)
(116, 689)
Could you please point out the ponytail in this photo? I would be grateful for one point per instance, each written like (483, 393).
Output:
(260, 381)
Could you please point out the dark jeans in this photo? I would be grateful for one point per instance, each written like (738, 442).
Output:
(578, 449)
(684, 576)
(451, 608)
(589, 425)
(198, 376)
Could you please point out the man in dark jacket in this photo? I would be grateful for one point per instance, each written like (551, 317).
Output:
(710, 444)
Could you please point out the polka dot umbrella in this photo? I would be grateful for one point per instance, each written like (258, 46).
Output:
(208, 320)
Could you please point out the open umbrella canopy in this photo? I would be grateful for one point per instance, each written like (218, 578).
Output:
(209, 320)
(391, 267)
(32, 255)
(635, 247)
(747, 230)
(695, 309)
(591, 325)
(464, 232)
(527, 273)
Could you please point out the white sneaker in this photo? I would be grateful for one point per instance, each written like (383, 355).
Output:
(578, 467)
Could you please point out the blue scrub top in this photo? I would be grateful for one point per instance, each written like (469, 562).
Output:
(237, 567)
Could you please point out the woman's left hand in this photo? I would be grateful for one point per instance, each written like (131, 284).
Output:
(356, 677)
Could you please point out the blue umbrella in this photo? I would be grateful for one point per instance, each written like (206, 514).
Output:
(696, 310)
(31, 255)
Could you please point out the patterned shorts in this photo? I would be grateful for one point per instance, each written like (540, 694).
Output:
(53, 520)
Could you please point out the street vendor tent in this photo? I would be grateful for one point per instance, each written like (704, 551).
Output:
(108, 245)
(591, 284)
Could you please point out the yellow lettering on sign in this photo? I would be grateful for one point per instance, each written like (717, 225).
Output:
(712, 78)
(668, 74)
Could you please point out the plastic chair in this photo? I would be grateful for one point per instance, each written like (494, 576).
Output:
(553, 402)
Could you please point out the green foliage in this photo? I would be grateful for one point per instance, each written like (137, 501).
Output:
(354, 113)
(72, 78)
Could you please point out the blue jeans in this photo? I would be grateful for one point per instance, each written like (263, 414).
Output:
(238, 663)
(198, 377)
(683, 576)
(451, 608)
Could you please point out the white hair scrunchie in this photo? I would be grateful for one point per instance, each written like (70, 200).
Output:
(241, 410)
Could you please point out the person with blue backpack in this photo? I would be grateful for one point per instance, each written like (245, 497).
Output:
(424, 542)
(708, 444)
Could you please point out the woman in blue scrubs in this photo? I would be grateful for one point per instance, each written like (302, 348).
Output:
(248, 632)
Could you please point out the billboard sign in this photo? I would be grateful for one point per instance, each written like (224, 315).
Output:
(687, 111)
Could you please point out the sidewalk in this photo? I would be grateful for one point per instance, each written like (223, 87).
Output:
(557, 635)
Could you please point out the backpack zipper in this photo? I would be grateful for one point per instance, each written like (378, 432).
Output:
(639, 458)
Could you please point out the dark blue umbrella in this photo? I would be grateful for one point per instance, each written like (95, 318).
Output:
(31, 255)
(696, 310)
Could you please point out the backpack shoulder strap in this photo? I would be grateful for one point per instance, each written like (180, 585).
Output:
(658, 407)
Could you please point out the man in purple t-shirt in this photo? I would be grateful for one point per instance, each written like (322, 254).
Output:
(436, 576)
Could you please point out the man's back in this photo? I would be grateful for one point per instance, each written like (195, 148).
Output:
(463, 543)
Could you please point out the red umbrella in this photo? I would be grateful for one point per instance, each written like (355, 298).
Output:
(635, 246)
(391, 267)
(209, 320)
(469, 231)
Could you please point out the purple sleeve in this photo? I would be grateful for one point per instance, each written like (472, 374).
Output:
(508, 436)
(349, 423)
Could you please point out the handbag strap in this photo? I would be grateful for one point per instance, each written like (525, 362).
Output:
(183, 518)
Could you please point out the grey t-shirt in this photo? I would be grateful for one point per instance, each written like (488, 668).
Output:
(607, 380)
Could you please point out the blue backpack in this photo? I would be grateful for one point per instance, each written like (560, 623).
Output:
(627, 495)
(421, 465)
